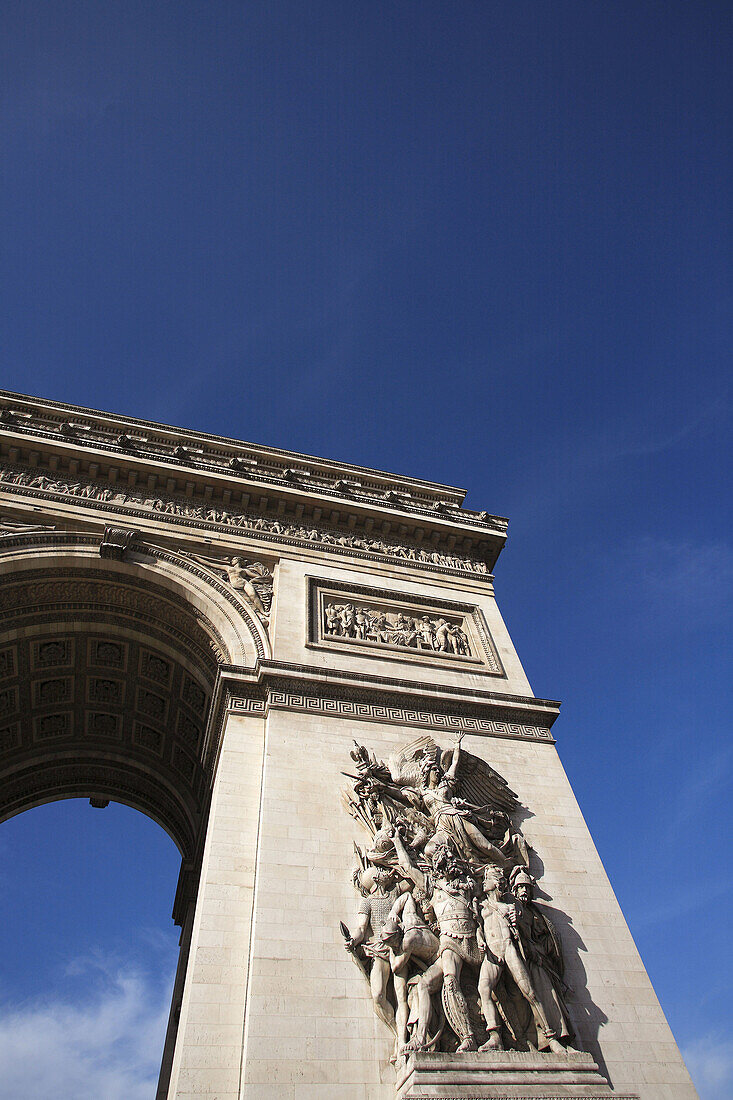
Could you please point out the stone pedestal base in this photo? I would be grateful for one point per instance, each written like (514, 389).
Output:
(504, 1075)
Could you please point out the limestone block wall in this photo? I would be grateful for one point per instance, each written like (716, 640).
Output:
(208, 1051)
(310, 1030)
(273, 1004)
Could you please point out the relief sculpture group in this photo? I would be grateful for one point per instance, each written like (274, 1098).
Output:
(368, 624)
(458, 953)
(246, 521)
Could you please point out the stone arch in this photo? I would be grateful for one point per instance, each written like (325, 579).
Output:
(108, 669)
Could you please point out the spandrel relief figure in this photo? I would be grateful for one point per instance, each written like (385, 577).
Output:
(252, 578)
(455, 961)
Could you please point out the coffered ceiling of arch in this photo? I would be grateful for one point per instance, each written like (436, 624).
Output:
(92, 699)
(105, 689)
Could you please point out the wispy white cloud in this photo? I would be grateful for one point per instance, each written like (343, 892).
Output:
(599, 456)
(706, 784)
(710, 1062)
(105, 1043)
(686, 580)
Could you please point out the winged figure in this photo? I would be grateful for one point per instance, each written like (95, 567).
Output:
(252, 578)
(478, 825)
(476, 779)
(444, 794)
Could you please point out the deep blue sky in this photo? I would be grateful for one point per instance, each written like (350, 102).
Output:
(484, 243)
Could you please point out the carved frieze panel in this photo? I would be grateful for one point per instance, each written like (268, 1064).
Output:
(357, 619)
(136, 502)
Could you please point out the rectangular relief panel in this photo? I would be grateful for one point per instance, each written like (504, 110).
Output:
(352, 618)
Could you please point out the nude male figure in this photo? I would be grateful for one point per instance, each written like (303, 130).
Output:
(503, 952)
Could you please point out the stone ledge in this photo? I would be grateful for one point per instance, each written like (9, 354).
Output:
(504, 1075)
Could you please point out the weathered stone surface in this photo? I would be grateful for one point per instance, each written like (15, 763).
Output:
(503, 1074)
(188, 670)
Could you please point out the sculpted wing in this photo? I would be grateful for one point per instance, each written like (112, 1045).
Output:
(216, 565)
(480, 784)
(263, 575)
(404, 766)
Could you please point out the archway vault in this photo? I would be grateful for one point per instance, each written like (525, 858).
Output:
(107, 672)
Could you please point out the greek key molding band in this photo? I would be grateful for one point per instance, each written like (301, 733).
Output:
(373, 712)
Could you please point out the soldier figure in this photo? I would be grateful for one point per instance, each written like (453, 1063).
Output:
(542, 950)
(504, 951)
(454, 904)
(380, 884)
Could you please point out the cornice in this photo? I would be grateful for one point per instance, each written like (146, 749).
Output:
(303, 689)
(353, 489)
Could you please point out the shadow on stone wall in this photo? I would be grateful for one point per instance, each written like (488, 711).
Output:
(587, 1018)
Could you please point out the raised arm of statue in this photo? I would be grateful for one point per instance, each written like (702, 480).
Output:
(396, 911)
(405, 863)
(453, 769)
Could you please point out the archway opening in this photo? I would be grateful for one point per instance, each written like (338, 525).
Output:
(89, 951)
(107, 673)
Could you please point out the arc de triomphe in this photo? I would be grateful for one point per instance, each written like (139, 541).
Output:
(299, 669)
